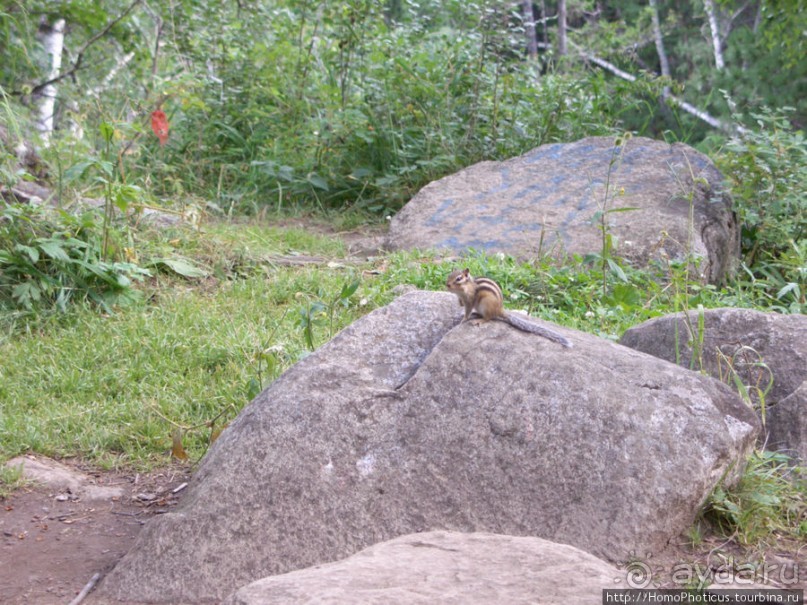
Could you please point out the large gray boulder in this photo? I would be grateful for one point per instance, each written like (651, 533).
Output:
(548, 200)
(757, 346)
(406, 422)
(446, 568)
(787, 425)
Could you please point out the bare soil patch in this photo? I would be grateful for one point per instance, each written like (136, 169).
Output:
(53, 539)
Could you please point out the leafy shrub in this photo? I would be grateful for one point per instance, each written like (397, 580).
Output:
(769, 502)
(767, 168)
(768, 172)
(365, 115)
(49, 259)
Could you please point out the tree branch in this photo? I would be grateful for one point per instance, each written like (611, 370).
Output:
(691, 109)
(158, 32)
(659, 37)
(80, 55)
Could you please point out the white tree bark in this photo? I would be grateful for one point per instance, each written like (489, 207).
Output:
(52, 37)
(689, 108)
(714, 27)
(662, 54)
(107, 80)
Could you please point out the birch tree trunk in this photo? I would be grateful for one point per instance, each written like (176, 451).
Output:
(52, 38)
(714, 26)
(688, 107)
(662, 54)
(529, 29)
(562, 27)
(657, 35)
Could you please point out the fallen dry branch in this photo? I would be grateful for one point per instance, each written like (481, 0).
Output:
(86, 590)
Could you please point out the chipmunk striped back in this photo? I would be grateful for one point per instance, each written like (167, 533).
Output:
(483, 296)
(480, 295)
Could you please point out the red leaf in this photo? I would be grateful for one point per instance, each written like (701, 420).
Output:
(159, 124)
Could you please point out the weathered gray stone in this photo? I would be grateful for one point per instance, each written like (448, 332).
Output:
(741, 337)
(62, 479)
(758, 346)
(547, 199)
(446, 568)
(26, 192)
(402, 424)
(786, 424)
(26, 154)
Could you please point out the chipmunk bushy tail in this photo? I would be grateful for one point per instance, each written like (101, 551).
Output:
(533, 328)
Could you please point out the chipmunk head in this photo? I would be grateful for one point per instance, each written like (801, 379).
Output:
(458, 278)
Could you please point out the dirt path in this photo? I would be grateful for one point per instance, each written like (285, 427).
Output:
(54, 538)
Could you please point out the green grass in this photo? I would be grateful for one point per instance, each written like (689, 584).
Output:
(112, 387)
(109, 386)
(262, 239)
(11, 479)
(101, 386)
(767, 508)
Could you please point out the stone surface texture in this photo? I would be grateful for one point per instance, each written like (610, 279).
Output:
(547, 200)
(786, 425)
(62, 479)
(446, 568)
(767, 351)
(407, 422)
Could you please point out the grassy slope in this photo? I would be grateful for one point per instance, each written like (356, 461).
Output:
(106, 386)
(113, 388)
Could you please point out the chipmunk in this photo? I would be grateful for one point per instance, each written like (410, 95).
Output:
(483, 296)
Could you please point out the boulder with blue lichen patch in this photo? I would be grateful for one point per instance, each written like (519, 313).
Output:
(549, 200)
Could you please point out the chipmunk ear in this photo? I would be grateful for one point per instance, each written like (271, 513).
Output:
(466, 272)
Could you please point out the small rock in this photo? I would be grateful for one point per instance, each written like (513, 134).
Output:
(402, 289)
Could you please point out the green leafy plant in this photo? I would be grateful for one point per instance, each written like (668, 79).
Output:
(767, 167)
(769, 503)
(309, 316)
(600, 218)
(316, 312)
(48, 259)
(749, 374)
(116, 193)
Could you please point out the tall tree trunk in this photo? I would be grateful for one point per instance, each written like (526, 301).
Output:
(52, 38)
(544, 33)
(714, 26)
(529, 29)
(562, 27)
(757, 18)
(662, 54)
